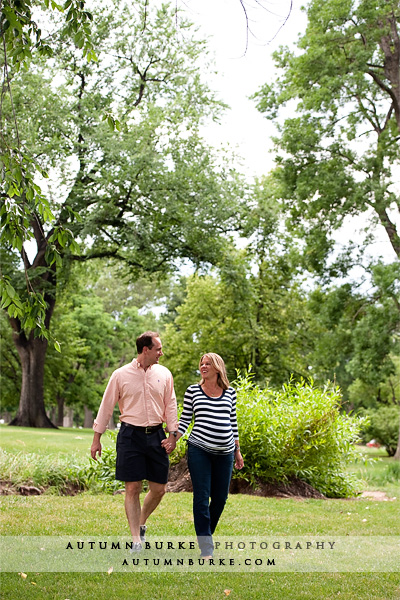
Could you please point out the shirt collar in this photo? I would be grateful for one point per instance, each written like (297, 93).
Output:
(138, 365)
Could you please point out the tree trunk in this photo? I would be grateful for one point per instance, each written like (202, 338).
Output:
(60, 411)
(68, 420)
(88, 419)
(32, 350)
(31, 410)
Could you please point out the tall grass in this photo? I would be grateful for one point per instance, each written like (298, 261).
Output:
(54, 474)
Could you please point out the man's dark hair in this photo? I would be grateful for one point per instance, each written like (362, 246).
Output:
(146, 339)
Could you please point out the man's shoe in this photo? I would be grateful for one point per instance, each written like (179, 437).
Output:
(136, 547)
(143, 533)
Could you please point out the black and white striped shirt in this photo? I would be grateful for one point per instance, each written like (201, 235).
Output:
(215, 424)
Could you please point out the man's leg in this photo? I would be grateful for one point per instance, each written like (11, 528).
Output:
(152, 500)
(157, 466)
(132, 507)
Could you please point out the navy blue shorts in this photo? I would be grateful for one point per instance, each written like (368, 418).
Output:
(141, 456)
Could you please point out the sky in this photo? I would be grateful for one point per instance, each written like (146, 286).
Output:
(244, 63)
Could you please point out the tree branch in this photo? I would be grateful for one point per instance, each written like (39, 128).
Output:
(390, 228)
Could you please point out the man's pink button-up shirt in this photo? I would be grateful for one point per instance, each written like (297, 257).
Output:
(144, 397)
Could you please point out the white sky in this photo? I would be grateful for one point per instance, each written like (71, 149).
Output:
(241, 71)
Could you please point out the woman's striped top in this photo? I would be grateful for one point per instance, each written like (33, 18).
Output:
(215, 424)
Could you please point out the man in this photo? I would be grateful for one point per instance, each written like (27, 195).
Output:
(145, 394)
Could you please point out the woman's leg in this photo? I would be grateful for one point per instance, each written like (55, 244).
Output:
(199, 463)
(221, 474)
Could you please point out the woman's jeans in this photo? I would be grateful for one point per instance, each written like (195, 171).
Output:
(211, 476)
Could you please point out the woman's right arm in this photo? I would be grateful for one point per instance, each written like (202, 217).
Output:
(187, 413)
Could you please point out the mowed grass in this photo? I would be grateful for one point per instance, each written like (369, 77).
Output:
(211, 586)
(62, 441)
(100, 515)
(87, 514)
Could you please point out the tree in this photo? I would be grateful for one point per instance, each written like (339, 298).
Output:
(355, 336)
(340, 155)
(251, 312)
(210, 321)
(148, 196)
(76, 376)
(98, 315)
(23, 39)
(96, 321)
(22, 36)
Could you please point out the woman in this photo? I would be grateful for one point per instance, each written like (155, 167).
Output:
(213, 445)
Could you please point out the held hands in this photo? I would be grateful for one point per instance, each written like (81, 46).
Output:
(169, 444)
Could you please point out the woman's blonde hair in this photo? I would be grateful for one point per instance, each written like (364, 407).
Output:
(219, 365)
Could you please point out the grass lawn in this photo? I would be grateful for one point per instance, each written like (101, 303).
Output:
(63, 441)
(99, 515)
(213, 586)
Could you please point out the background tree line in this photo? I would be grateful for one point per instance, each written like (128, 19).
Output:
(136, 195)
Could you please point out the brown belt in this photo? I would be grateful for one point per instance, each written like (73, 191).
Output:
(148, 429)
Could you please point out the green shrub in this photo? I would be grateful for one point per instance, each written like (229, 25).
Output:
(383, 427)
(297, 431)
